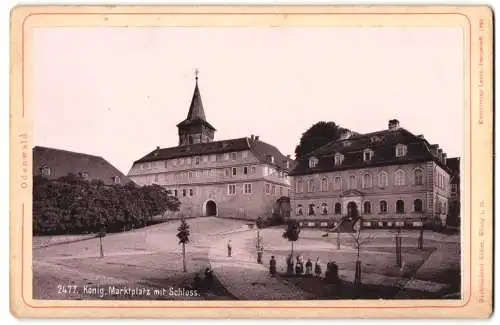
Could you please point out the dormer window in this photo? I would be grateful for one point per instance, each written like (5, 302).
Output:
(374, 139)
(347, 143)
(270, 159)
(401, 150)
(367, 155)
(313, 161)
(116, 180)
(84, 175)
(339, 158)
(45, 171)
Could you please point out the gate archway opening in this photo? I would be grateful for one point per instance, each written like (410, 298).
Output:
(210, 209)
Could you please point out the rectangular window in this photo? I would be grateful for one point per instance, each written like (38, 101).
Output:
(156, 178)
(227, 172)
(234, 171)
(226, 156)
(166, 164)
(273, 189)
(266, 171)
(253, 169)
(244, 154)
(234, 155)
(268, 188)
(248, 188)
(213, 158)
(281, 191)
(184, 192)
(190, 192)
(245, 170)
(231, 189)
(188, 160)
(453, 188)
(197, 160)
(192, 174)
(175, 193)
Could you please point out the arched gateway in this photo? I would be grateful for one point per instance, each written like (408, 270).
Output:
(210, 208)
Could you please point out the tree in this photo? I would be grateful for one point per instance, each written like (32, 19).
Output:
(183, 235)
(359, 241)
(316, 136)
(292, 232)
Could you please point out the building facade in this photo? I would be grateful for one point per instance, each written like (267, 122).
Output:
(54, 163)
(235, 178)
(391, 178)
(454, 204)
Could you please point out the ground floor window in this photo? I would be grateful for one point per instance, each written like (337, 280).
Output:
(383, 206)
(299, 210)
(417, 205)
(231, 189)
(248, 188)
(400, 206)
(324, 208)
(311, 209)
(338, 208)
(367, 207)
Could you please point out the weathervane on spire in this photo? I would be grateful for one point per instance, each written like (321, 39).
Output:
(196, 73)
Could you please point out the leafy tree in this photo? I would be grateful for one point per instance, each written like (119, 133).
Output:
(292, 232)
(73, 205)
(316, 136)
(183, 235)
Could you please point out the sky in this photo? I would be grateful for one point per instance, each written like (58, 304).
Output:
(119, 92)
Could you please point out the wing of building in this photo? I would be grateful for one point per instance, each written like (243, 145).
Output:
(234, 178)
(55, 163)
(390, 178)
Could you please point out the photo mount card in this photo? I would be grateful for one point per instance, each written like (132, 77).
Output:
(251, 161)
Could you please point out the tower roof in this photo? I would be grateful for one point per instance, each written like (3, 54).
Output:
(196, 112)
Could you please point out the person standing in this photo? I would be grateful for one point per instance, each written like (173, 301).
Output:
(309, 267)
(229, 248)
(272, 266)
(317, 268)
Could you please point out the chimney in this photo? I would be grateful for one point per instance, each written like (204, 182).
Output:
(288, 156)
(444, 159)
(393, 124)
(420, 136)
(440, 154)
(434, 150)
(345, 134)
(157, 151)
(252, 137)
(256, 138)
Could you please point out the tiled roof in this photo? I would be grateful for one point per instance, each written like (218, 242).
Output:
(260, 149)
(63, 162)
(382, 143)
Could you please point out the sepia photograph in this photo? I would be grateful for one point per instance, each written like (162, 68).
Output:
(248, 163)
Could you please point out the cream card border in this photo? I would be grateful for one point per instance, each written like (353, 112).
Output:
(477, 205)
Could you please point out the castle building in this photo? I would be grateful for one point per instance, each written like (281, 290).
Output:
(54, 163)
(238, 178)
(391, 178)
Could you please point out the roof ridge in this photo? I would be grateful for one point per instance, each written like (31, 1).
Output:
(68, 151)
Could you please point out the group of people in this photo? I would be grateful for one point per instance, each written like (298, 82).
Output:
(299, 266)
(200, 283)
